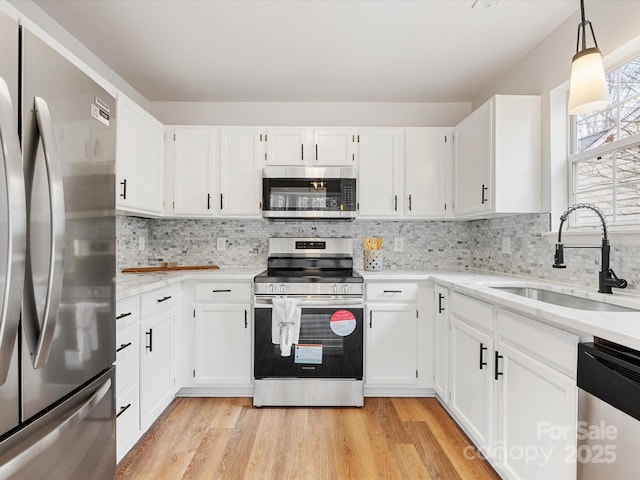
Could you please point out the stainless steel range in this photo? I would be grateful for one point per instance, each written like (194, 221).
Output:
(308, 342)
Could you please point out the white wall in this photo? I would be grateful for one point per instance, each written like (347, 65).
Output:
(310, 113)
(548, 67)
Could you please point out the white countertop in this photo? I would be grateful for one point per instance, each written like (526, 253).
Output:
(623, 328)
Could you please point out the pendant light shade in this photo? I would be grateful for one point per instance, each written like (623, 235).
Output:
(588, 91)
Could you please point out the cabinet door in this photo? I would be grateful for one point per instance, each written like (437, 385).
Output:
(286, 146)
(223, 344)
(391, 345)
(425, 171)
(378, 173)
(334, 147)
(139, 159)
(193, 174)
(240, 174)
(536, 412)
(472, 381)
(441, 343)
(474, 161)
(156, 366)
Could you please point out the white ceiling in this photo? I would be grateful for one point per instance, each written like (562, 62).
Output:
(310, 50)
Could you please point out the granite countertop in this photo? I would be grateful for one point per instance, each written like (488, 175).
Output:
(130, 284)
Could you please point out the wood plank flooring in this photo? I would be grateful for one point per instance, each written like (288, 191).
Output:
(227, 438)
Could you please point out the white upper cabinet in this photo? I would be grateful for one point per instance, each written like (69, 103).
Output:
(379, 172)
(240, 172)
(195, 151)
(427, 176)
(139, 159)
(286, 146)
(334, 147)
(497, 158)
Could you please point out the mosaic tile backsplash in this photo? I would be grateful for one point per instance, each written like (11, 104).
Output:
(427, 245)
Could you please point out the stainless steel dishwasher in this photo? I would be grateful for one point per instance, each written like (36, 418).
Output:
(608, 412)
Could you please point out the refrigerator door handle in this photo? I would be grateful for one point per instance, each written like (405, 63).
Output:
(52, 433)
(16, 224)
(56, 254)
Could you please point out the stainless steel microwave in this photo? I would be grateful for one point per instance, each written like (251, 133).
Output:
(322, 193)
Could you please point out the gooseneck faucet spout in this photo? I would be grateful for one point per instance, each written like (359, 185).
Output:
(606, 277)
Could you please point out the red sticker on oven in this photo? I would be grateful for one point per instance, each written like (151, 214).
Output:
(343, 322)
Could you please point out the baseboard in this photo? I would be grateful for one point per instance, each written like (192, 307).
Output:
(373, 391)
(215, 392)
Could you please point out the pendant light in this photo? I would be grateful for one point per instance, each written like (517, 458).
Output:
(588, 89)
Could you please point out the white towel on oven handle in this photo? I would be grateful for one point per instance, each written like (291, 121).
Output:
(285, 323)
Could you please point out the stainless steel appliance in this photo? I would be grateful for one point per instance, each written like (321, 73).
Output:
(309, 193)
(608, 411)
(57, 265)
(326, 366)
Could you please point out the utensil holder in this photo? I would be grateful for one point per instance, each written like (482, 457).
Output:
(373, 260)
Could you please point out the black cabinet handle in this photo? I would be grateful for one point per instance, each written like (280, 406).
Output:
(316, 152)
(440, 307)
(409, 202)
(122, 315)
(123, 195)
(370, 319)
(482, 349)
(395, 203)
(484, 189)
(160, 300)
(496, 370)
(246, 324)
(123, 409)
(149, 335)
(392, 291)
(302, 152)
(221, 201)
(221, 291)
(208, 201)
(123, 346)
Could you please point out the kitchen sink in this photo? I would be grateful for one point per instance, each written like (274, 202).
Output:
(565, 299)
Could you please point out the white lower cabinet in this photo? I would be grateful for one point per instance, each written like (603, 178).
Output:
(391, 345)
(441, 343)
(217, 349)
(157, 352)
(127, 377)
(397, 361)
(223, 345)
(471, 381)
(513, 389)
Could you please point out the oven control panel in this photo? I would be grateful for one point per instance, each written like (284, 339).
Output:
(311, 245)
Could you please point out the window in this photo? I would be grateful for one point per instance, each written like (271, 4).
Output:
(605, 153)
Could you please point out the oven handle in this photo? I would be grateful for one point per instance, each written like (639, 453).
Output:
(311, 302)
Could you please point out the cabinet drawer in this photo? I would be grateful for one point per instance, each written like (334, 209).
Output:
(550, 345)
(127, 420)
(472, 310)
(128, 310)
(223, 292)
(127, 357)
(159, 300)
(395, 292)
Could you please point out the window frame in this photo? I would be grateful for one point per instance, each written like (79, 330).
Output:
(611, 148)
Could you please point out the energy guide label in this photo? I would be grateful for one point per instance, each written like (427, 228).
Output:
(308, 353)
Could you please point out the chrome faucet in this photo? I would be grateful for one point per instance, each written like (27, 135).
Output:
(606, 277)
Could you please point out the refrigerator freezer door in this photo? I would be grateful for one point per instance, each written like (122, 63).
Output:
(76, 440)
(12, 224)
(80, 305)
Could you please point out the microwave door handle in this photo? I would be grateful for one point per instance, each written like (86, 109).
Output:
(16, 226)
(42, 334)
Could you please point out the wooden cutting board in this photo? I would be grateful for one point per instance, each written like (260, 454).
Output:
(169, 269)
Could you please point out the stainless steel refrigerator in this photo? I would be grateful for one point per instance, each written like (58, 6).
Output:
(57, 265)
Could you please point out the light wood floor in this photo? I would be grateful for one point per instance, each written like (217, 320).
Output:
(211, 438)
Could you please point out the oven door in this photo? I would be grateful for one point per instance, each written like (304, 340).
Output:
(330, 342)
